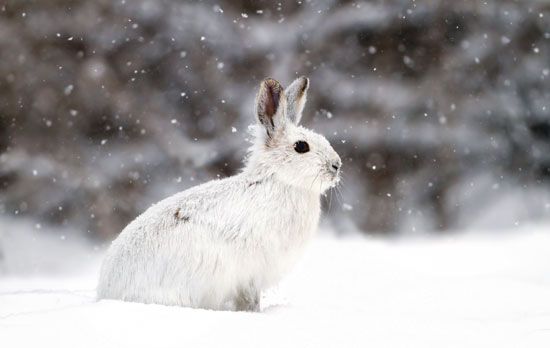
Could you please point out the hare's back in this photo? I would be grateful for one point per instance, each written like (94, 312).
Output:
(159, 245)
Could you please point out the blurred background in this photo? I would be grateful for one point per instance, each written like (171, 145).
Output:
(439, 109)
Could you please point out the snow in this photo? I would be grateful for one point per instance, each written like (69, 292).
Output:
(465, 290)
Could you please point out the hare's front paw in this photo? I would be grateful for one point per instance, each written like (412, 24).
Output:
(247, 300)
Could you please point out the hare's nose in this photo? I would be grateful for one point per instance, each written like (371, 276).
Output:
(335, 165)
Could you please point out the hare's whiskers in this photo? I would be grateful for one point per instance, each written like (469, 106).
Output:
(313, 182)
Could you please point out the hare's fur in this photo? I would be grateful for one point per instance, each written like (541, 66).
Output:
(219, 244)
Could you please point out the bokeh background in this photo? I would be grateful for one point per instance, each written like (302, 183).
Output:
(439, 109)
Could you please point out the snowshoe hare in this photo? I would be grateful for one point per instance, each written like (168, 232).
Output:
(219, 244)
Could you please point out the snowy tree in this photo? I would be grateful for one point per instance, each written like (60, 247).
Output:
(439, 109)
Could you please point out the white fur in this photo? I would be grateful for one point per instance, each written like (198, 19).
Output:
(217, 245)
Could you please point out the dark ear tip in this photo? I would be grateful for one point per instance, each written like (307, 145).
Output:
(304, 82)
(271, 83)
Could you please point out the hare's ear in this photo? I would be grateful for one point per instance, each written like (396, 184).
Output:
(270, 105)
(296, 99)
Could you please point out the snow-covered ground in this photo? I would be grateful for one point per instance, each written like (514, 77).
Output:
(466, 290)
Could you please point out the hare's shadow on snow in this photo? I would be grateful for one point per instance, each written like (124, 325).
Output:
(275, 308)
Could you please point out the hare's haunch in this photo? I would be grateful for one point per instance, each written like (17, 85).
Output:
(219, 244)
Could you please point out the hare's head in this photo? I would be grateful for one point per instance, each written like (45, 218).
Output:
(286, 150)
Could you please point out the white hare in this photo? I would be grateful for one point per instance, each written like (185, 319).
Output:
(219, 244)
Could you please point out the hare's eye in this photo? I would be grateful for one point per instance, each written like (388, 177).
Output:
(301, 147)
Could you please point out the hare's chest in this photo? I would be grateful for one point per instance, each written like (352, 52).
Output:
(280, 238)
(288, 221)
